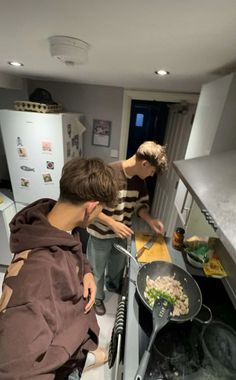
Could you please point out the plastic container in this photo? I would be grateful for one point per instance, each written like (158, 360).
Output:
(198, 253)
(193, 262)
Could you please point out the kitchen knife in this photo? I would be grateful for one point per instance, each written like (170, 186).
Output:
(147, 245)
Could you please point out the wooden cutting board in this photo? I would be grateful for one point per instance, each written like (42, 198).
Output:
(158, 251)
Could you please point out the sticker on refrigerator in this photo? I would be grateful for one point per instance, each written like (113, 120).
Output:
(46, 146)
(24, 182)
(19, 141)
(75, 141)
(50, 165)
(27, 168)
(68, 149)
(22, 152)
(69, 130)
(47, 177)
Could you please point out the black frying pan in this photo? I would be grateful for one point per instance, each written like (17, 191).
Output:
(163, 268)
(190, 286)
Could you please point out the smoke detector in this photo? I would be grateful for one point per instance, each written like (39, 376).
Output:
(69, 50)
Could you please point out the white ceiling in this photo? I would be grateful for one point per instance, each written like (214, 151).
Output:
(129, 39)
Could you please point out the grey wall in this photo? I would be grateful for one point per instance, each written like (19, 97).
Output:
(7, 97)
(95, 102)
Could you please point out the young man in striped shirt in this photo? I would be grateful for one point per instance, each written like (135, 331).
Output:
(114, 225)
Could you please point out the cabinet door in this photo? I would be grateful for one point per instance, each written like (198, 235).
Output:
(183, 202)
(213, 114)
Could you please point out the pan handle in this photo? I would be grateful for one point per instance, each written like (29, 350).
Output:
(125, 252)
(206, 321)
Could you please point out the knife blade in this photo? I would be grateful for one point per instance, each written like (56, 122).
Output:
(147, 245)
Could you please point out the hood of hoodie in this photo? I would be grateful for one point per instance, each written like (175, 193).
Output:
(30, 229)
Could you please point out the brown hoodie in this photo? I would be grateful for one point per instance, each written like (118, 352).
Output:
(42, 322)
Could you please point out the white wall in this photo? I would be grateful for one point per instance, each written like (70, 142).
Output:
(95, 102)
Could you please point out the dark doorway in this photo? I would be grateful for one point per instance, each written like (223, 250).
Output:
(148, 121)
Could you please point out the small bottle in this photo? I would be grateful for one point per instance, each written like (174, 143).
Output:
(178, 239)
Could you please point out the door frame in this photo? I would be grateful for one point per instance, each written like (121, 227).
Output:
(129, 95)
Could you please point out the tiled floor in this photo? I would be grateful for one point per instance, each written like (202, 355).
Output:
(106, 323)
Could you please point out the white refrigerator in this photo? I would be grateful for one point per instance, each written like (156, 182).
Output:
(7, 212)
(36, 147)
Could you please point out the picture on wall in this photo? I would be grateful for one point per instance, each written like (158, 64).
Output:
(101, 132)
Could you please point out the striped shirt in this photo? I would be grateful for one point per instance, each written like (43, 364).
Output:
(132, 196)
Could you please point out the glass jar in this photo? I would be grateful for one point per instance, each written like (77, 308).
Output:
(178, 239)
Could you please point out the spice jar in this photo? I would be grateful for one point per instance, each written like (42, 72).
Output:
(178, 239)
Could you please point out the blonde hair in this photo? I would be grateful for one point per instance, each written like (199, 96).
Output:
(154, 153)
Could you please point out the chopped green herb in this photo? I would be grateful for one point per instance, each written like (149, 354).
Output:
(154, 293)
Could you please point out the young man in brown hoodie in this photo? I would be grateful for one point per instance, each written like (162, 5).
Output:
(47, 321)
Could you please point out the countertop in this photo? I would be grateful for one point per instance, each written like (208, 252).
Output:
(212, 182)
(131, 359)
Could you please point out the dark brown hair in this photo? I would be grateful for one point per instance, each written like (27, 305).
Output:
(85, 180)
(155, 154)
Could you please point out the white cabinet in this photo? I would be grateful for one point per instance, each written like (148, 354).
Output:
(213, 130)
(183, 202)
(7, 212)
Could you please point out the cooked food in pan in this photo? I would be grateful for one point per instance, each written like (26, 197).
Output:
(171, 289)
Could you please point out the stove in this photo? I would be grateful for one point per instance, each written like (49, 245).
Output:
(177, 353)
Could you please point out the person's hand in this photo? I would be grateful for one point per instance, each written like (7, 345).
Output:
(157, 226)
(121, 230)
(89, 291)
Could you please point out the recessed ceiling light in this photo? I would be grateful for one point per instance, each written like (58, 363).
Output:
(15, 63)
(162, 72)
